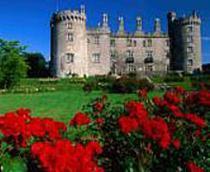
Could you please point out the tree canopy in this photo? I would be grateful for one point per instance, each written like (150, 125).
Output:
(37, 65)
(12, 64)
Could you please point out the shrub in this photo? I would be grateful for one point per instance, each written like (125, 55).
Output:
(168, 133)
(129, 85)
(174, 77)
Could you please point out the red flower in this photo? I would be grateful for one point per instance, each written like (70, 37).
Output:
(197, 133)
(176, 143)
(127, 124)
(192, 167)
(175, 110)
(180, 90)
(172, 97)
(159, 102)
(100, 121)
(196, 120)
(137, 110)
(98, 107)
(142, 93)
(63, 156)
(80, 119)
(157, 130)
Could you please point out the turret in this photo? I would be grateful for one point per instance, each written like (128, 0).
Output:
(69, 43)
(121, 29)
(171, 16)
(157, 26)
(139, 26)
(82, 9)
(105, 20)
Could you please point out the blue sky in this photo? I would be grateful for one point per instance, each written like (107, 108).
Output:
(28, 20)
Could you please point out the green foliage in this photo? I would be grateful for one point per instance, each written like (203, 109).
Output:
(14, 165)
(129, 85)
(12, 64)
(37, 65)
(174, 77)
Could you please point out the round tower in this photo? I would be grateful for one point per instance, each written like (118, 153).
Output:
(68, 43)
(191, 35)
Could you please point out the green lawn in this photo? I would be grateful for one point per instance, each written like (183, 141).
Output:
(60, 105)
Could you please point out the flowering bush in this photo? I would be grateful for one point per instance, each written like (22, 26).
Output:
(168, 133)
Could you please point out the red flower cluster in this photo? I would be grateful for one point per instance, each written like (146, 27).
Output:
(157, 130)
(198, 98)
(154, 128)
(172, 97)
(100, 121)
(142, 93)
(80, 119)
(63, 156)
(176, 143)
(21, 127)
(192, 167)
(98, 107)
(171, 100)
(198, 121)
(179, 90)
(128, 124)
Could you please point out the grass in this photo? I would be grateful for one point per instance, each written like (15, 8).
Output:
(61, 105)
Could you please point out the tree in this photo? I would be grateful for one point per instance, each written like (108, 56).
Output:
(12, 64)
(37, 65)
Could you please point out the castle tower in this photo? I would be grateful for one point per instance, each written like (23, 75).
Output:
(185, 42)
(192, 42)
(69, 43)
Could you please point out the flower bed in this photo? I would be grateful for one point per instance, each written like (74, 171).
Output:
(168, 133)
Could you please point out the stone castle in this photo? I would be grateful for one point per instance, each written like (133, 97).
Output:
(77, 50)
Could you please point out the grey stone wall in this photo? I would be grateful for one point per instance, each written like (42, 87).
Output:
(78, 50)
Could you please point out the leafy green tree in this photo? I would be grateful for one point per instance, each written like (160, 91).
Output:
(37, 65)
(12, 64)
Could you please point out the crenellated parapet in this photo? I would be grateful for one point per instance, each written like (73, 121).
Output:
(68, 15)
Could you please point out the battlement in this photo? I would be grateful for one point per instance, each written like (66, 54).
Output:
(185, 20)
(70, 15)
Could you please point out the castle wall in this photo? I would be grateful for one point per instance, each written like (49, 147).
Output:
(81, 51)
(98, 52)
(158, 51)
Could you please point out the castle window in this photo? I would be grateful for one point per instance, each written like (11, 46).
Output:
(129, 58)
(129, 42)
(69, 58)
(190, 39)
(190, 62)
(149, 43)
(70, 37)
(134, 43)
(96, 39)
(69, 25)
(190, 49)
(149, 68)
(144, 43)
(96, 58)
(190, 29)
(131, 68)
(167, 43)
(149, 54)
(112, 42)
(129, 53)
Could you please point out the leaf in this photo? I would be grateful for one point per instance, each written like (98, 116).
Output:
(14, 165)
